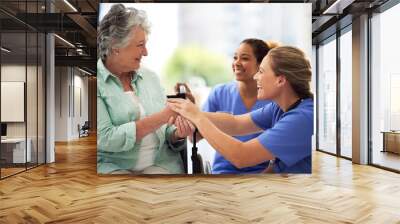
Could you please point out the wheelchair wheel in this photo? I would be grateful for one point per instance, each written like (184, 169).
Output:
(207, 168)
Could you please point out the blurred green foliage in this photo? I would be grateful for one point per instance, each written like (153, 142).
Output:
(190, 61)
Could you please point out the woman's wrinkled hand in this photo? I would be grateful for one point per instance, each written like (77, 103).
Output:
(183, 127)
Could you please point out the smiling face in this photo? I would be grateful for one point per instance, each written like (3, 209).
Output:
(244, 64)
(131, 55)
(268, 83)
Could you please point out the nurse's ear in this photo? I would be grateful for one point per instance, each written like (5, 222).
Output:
(281, 80)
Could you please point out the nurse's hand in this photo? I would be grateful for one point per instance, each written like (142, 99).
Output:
(169, 115)
(186, 109)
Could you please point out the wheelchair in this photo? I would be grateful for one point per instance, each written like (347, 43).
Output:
(199, 166)
(84, 130)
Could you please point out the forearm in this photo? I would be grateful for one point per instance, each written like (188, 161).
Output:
(225, 122)
(227, 146)
(150, 124)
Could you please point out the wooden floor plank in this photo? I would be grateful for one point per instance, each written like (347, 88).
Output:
(70, 191)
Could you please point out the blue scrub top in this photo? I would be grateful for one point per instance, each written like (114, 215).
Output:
(287, 135)
(226, 98)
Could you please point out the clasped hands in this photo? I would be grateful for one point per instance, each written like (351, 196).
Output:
(184, 114)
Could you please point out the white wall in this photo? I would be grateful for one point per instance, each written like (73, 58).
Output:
(69, 85)
(61, 103)
(13, 73)
(314, 90)
(33, 126)
(81, 84)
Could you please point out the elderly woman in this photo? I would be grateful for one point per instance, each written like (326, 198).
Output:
(286, 124)
(133, 136)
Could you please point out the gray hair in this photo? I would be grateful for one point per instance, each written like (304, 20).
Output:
(114, 30)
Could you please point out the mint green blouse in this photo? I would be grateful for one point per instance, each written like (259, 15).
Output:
(117, 147)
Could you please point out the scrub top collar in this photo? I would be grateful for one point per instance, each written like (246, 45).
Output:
(295, 104)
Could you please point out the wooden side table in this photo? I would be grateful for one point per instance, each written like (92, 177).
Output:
(391, 141)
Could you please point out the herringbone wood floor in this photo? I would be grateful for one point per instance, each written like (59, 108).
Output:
(70, 191)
